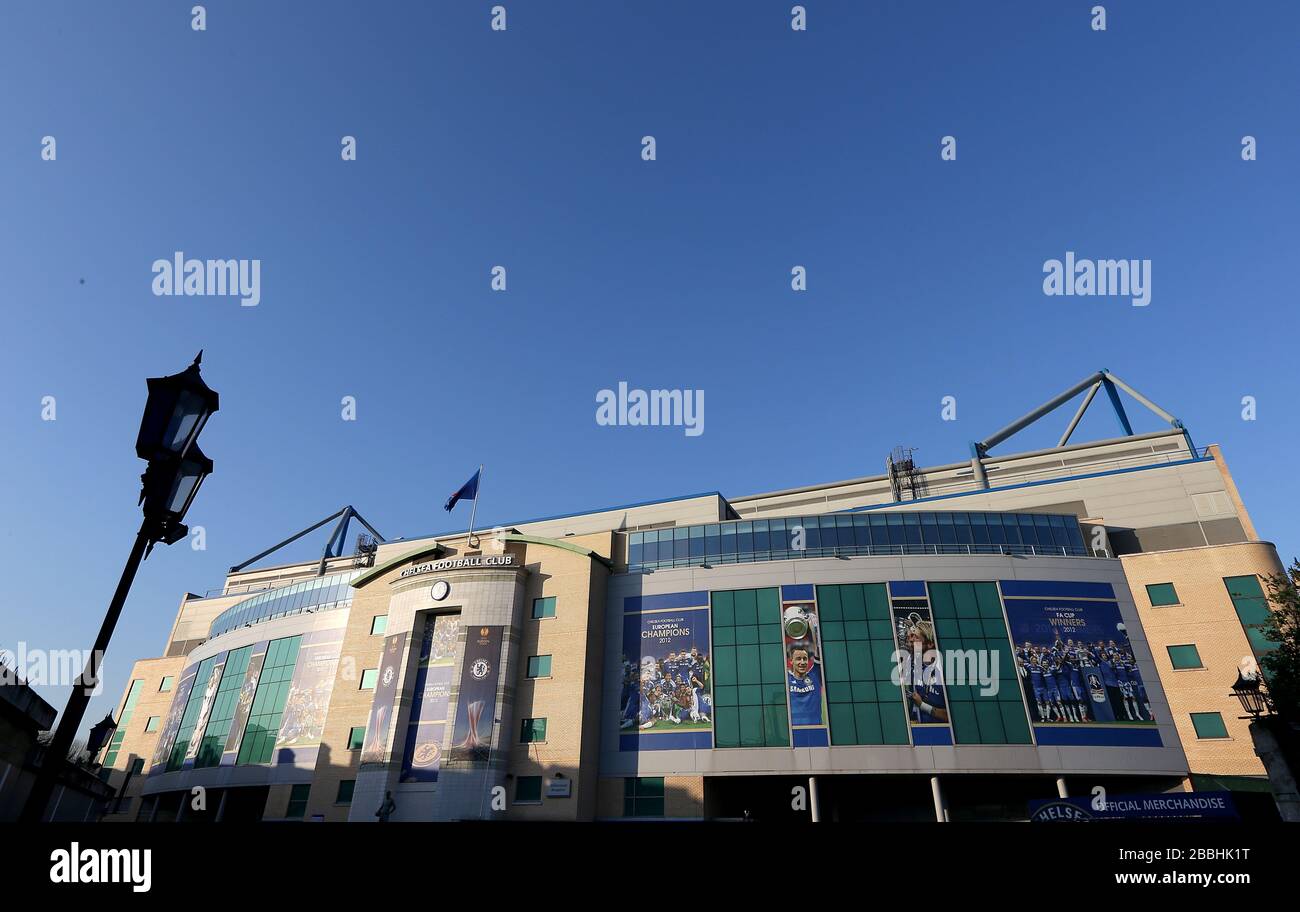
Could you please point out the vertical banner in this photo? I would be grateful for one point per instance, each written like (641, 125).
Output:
(205, 708)
(375, 748)
(422, 756)
(173, 725)
(667, 697)
(476, 703)
(804, 675)
(920, 665)
(303, 719)
(1076, 663)
(244, 703)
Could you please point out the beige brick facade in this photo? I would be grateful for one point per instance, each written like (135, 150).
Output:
(136, 742)
(1204, 617)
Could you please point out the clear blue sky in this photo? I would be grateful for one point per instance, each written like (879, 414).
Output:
(522, 149)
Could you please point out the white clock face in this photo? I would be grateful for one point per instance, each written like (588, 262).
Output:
(440, 590)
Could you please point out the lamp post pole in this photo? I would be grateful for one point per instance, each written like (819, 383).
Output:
(75, 711)
(177, 408)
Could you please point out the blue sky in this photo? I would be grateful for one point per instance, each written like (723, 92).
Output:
(522, 149)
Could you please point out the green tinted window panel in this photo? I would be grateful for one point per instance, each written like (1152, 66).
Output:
(854, 602)
(958, 692)
(1248, 598)
(1258, 641)
(769, 633)
(989, 716)
(771, 664)
(832, 630)
(191, 715)
(857, 630)
(724, 665)
(970, 627)
(880, 629)
(223, 708)
(746, 607)
(828, 604)
(724, 636)
(751, 727)
(774, 694)
(726, 696)
(1014, 722)
(258, 744)
(1185, 656)
(528, 788)
(888, 692)
(746, 636)
(867, 718)
(748, 667)
(776, 726)
(965, 723)
(941, 601)
(859, 657)
(769, 606)
(963, 596)
(990, 606)
(750, 694)
(726, 726)
(843, 724)
(724, 609)
(1162, 594)
(838, 692)
(835, 660)
(893, 723)
(1209, 725)
(882, 654)
(877, 597)
(993, 628)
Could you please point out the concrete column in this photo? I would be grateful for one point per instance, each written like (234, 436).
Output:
(813, 807)
(940, 805)
(1280, 777)
(1061, 790)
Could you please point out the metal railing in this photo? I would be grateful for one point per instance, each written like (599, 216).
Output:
(847, 551)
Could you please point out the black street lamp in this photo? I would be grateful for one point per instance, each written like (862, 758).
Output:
(1249, 691)
(175, 413)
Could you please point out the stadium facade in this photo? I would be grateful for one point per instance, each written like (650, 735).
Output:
(931, 643)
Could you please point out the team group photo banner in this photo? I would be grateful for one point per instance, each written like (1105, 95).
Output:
(667, 676)
(1076, 664)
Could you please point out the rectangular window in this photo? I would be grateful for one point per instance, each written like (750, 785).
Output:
(298, 801)
(258, 744)
(544, 607)
(532, 730)
(1162, 594)
(539, 666)
(222, 714)
(864, 707)
(1252, 610)
(378, 625)
(747, 674)
(151, 725)
(1209, 725)
(128, 709)
(1185, 656)
(368, 678)
(643, 796)
(528, 790)
(356, 737)
(346, 787)
(167, 683)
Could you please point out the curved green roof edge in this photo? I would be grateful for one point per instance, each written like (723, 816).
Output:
(559, 543)
(387, 565)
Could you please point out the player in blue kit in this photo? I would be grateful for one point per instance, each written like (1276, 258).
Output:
(1036, 683)
(1075, 676)
(804, 681)
(1141, 689)
(924, 684)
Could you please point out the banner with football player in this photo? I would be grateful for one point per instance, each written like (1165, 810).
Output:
(920, 664)
(804, 676)
(667, 678)
(303, 720)
(1075, 662)
(422, 757)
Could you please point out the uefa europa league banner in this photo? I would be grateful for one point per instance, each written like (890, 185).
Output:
(471, 739)
(422, 756)
(1076, 663)
(375, 748)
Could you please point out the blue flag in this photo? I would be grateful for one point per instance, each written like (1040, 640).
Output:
(468, 489)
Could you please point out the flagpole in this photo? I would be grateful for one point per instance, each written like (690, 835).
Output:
(474, 509)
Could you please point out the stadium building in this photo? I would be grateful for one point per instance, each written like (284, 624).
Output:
(929, 643)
